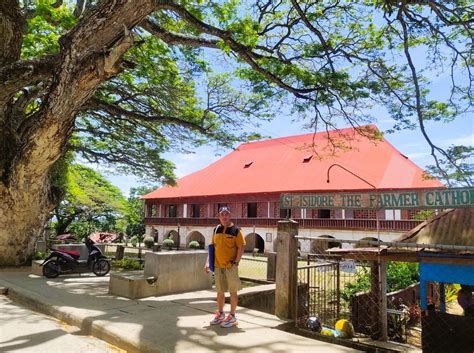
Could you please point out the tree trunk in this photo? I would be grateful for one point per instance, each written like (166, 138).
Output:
(90, 54)
(23, 212)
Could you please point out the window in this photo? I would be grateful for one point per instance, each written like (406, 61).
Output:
(365, 214)
(248, 164)
(172, 211)
(195, 211)
(252, 210)
(285, 213)
(324, 213)
(153, 210)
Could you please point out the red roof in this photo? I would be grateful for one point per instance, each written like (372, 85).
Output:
(285, 165)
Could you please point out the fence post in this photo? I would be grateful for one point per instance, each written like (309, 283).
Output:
(383, 300)
(286, 276)
(271, 266)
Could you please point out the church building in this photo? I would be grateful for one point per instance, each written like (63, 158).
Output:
(252, 179)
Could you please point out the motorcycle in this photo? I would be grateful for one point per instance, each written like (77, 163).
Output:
(67, 261)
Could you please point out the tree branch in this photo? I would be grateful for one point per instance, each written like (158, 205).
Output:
(11, 31)
(20, 74)
(115, 110)
(244, 52)
(418, 105)
(176, 38)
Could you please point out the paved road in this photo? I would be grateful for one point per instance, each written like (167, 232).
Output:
(23, 330)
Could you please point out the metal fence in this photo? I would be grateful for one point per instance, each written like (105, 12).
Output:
(348, 282)
(321, 284)
(253, 268)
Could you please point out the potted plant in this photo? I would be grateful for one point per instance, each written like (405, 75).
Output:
(194, 245)
(168, 243)
(149, 242)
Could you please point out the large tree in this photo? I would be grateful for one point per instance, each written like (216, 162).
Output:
(136, 210)
(113, 81)
(91, 203)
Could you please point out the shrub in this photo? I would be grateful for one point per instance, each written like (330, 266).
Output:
(168, 244)
(149, 242)
(127, 264)
(361, 284)
(399, 275)
(134, 241)
(39, 255)
(194, 245)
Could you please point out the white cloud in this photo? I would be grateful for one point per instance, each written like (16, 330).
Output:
(467, 140)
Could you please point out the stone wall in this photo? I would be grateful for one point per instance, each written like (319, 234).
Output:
(177, 271)
(167, 272)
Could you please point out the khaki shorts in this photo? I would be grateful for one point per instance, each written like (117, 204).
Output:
(227, 279)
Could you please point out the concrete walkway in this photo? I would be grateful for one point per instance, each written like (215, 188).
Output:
(25, 331)
(173, 323)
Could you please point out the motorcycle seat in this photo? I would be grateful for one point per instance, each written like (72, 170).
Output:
(73, 253)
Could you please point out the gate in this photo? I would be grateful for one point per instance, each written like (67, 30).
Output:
(319, 290)
(321, 283)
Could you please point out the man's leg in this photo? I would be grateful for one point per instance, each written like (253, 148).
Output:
(234, 298)
(221, 301)
(221, 288)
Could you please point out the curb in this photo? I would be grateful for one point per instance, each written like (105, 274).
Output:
(85, 324)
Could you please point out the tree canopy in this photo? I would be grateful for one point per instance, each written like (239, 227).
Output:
(90, 203)
(120, 82)
(337, 59)
(136, 210)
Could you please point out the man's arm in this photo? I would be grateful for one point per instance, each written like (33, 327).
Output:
(238, 256)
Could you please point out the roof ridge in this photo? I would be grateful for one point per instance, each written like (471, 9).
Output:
(269, 142)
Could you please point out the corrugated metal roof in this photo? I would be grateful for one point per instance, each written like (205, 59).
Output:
(278, 166)
(452, 227)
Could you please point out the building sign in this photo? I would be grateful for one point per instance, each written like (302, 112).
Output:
(426, 198)
(348, 266)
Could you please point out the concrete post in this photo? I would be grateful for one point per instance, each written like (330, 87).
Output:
(286, 276)
(271, 266)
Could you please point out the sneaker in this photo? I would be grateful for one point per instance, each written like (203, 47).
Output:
(218, 319)
(230, 321)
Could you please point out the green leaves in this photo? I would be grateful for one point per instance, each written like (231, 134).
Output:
(135, 210)
(90, 203)
(45, 28)
(333, 60)
(456, 167)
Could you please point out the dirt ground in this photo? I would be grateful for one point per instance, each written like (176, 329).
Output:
(15, 269)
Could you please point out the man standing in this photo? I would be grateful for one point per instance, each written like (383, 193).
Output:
(229, 246)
